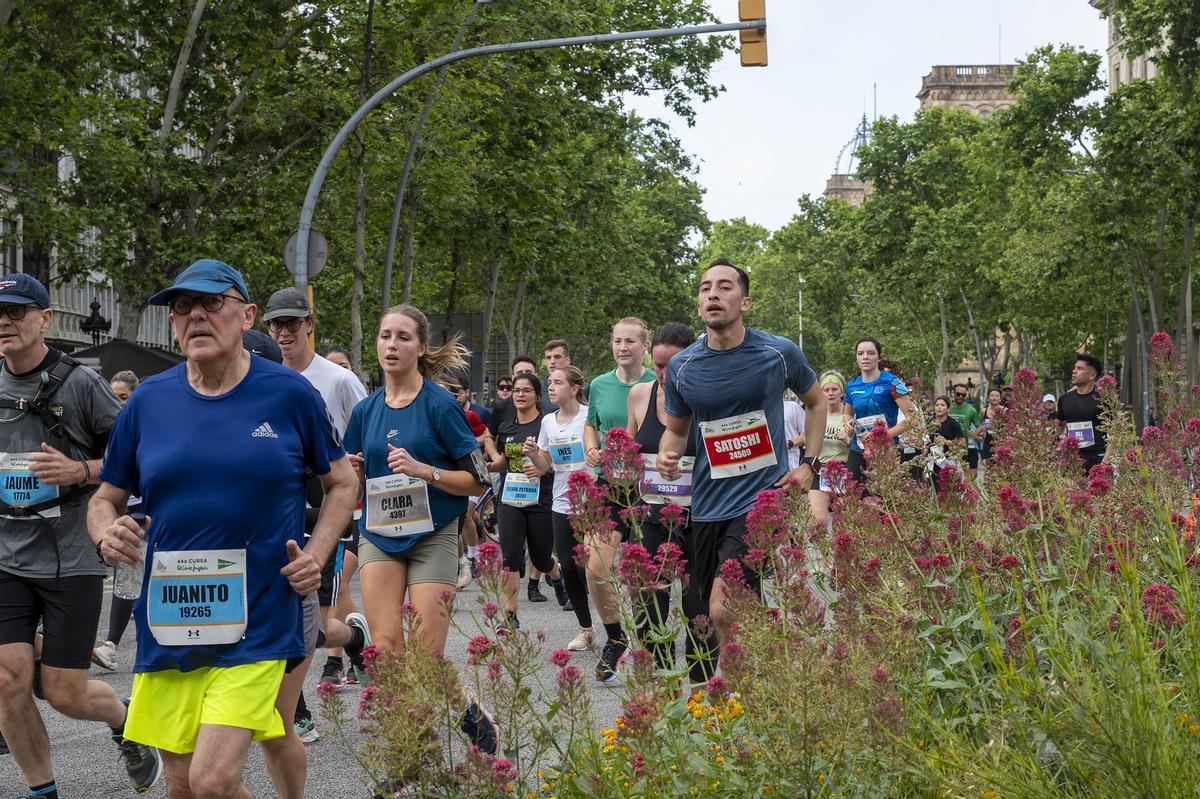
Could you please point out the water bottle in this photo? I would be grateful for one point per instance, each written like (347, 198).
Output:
(127, 582)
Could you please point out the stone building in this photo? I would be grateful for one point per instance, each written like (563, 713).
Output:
(981, 89)
(1121, 68)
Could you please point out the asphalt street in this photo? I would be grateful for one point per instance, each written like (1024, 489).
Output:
(86, 762)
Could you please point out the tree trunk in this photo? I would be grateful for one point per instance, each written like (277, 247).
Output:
(941, 364)
(181, 63)
(407, 244)
(489, 310)
(131, 303)
(1185, 331)
(360, 204)
(983, 377)
(455, 263)
(514, 331)
(1006, 353)
(6, 9)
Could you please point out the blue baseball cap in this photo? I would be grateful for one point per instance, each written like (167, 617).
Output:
(206, 276)
(22, 289)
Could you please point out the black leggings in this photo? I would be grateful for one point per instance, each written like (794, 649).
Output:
(654, 609)
(572, 573)
(526, 527)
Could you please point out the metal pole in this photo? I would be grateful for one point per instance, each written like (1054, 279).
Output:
(800, 312)
(300, 276)
(390, 256)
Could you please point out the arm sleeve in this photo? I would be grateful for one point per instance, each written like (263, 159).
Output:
(120, 467)
(321, 441)
(673, 402)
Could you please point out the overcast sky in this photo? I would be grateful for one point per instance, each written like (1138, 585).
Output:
(775, 133)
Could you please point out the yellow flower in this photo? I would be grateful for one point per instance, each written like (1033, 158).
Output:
(989, 795)
(821, 777)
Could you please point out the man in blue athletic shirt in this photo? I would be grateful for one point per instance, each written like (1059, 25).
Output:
(729, 386)
(219, 616)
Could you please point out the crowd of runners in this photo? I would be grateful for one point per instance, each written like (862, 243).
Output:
(395, 488)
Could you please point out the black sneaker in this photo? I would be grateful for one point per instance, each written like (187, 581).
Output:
(332, 675)
(361, 676)
(480, 728)
(143, 763)
(3, 745)
(474, 569)
(560, 593)
(535, 593)
(511, 621)
(606, 669)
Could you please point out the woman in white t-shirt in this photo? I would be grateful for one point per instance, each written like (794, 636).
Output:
(560, 447)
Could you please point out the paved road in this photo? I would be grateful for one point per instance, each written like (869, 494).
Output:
(87, 765)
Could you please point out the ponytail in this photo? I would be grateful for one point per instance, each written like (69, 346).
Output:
(435, 362)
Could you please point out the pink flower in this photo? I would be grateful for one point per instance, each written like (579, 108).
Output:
(716, 687)
(636, 569)
(1107, 384)
(620, 460)
(569, 678)
(670, 562)
(889, 715)
(1158, 603)
(732, 656)
(326, 690)
(635, 515)
(478, 649)
(766, 524)
(491, 610)
(1162, 348)
(880, 675)
(560, 657)
(504, 773)
(673, 516)
(755, 560)
(1009, 562)
(488, 560)
(370, 654)
(366, 699)
(493, 668)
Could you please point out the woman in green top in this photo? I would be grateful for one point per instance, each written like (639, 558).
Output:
(836, 444)
(608, 407)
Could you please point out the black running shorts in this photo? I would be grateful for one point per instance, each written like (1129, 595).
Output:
(68, 607)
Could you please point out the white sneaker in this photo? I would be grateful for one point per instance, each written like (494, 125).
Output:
(582, 641)
(105, 655)
(464, 575)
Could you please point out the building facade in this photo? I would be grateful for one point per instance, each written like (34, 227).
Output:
(981, 89)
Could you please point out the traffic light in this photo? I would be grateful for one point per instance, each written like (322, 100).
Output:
(753, 40)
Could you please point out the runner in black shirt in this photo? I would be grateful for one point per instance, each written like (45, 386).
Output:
(1079, 411)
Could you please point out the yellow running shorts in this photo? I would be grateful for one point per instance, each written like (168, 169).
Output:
(168, 707)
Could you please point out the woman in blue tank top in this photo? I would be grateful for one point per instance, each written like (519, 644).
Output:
(874, 394)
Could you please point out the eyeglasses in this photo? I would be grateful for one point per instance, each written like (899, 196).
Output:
(962, 396)
(15, 312)
(182, 304)
(525, 390)
(289, 323)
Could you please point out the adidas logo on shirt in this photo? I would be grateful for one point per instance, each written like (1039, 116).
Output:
(264, 431)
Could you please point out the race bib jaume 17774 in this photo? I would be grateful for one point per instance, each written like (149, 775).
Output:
(19, 488)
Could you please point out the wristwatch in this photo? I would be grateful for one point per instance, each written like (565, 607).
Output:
(436, 477)
(811, 462)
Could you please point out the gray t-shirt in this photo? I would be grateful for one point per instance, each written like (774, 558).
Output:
(46, 547)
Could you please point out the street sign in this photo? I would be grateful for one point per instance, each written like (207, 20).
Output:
(318, 253)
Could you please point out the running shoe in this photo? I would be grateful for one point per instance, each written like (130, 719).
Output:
(480, 728)
(359, 621)
(105, 655)
(143, 763)
(535, 593)
(464, 575)
(332, 675)
(610, 656)
(583, 641)
(560, 593)
(474, 568)
(3, 745)
(306, 730)
(511, 621)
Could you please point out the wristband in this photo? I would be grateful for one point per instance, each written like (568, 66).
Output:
(87, 471)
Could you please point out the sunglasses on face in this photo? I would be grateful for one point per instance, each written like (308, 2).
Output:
(961, 396)
(289, 323)
(504, 386)
(182, 304)
(15, 312)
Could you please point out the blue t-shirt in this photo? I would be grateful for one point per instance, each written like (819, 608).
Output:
(433, 428)
(875, 398)
(709, 384)
(225, 472)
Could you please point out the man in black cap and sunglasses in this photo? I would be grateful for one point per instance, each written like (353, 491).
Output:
(56, 423)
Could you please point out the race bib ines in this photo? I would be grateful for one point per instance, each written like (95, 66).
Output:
(566, 452)
(197, 597)
(397, 506)
(738, 445)
(19, 487)
(520, 490)
(657, 490)
(1083, 432)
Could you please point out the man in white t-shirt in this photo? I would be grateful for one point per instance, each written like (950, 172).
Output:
(290, 322)
(793, 428)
